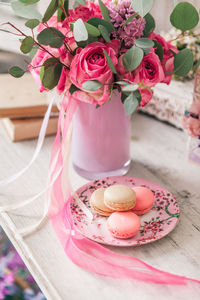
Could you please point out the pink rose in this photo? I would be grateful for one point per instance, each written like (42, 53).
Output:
(150, 71)
(146, 95)
(168, 59)
(90, 64)
(191, 121)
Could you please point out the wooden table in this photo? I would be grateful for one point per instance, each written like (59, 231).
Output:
(158, 153)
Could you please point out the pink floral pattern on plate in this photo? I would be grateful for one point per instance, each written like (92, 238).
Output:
(154, 225)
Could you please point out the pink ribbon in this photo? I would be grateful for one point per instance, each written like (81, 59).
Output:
(85, 253)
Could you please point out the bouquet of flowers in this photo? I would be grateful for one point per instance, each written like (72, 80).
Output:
(94, 48)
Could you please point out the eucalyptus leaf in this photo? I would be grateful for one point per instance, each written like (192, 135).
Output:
(25, 11)
(104, 11)
(142, 7)
(32, 23)
(51, 37)
(27, 44)
(33, 51)
(79, 2)
(150, 25)
(129, 19)
(29, 2)
(130, 104)
(144, 43)
(104, 33)
(146, 51)
(109, 61)
(132, 58)
(121, 82)
(91, 85)
(158, 50)
(80, 31)
(92, 30)
(16, 72)
(97, 21)
(51, 75)
(183, 62)
(51, 9)
(184, 16)
(130, 88)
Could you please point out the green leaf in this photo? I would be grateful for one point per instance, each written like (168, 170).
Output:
(24, 11)
(144, 43)
(66, 7)
(80, 31)
(51, 37)
(121, 82)
(92, 30)
(91, 85)
(41, 72)
(51, 73)
(97, 21)
(129, 19)
(16, 72)
(32, 23)
(33, 51)
(130, 88)
(51, 9)
(150, 24)
(109, 61)
(29, 2)
(159, 50)
(183, 62)
(27, 44)
(104, 11)
(132, 58)
(104, 33)
(73, 88)
(130, 104)
(142, 7)
(79, 2)
(184, 16)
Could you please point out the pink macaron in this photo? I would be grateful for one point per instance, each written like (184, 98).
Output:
(123, 225)
(144, 200)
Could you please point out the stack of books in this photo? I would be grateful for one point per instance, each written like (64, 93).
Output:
(22, 108)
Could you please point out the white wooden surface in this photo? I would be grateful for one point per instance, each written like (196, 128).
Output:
(158, 153)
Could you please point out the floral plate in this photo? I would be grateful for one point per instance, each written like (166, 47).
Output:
(156, 224)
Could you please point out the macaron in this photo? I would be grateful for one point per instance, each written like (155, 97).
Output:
(123, 225)
(119, 197)
(144, 200)
(97, 203)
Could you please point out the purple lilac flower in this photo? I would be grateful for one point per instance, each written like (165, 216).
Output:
(119, 13)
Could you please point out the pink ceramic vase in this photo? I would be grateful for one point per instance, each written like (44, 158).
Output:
(101, 139)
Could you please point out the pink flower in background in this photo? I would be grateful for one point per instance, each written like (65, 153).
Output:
(90, 64)
(150, 71)
(191, 120)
